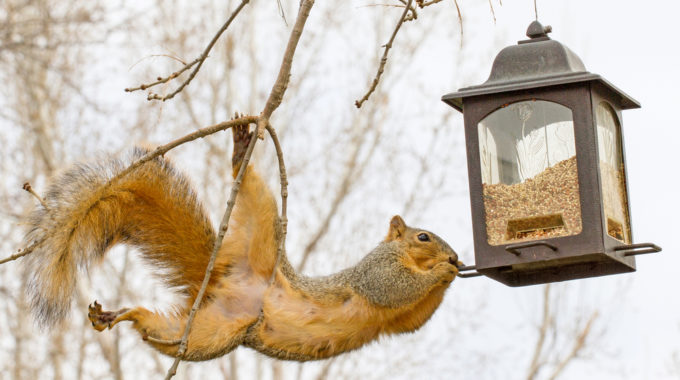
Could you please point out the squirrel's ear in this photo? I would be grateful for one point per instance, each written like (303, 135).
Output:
(397, 228)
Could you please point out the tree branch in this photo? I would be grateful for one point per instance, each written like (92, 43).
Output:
(224, 225)
(383, 60)
(284, 200)
(198, 62)
(275, 98)
(354, 170)
(203, 132)
(159, 151)
(460, 21)
(279, 88)
(578, 346)
(414, 14)
(27, 186)
(22, 252)
(542, 332)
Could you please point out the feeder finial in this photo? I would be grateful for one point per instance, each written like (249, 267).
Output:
(537, 30)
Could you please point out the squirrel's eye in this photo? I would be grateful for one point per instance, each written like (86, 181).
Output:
(423, 237)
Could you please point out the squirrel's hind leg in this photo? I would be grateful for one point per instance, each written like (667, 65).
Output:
(211, 335)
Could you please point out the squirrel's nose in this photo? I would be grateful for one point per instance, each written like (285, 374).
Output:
(453, 260)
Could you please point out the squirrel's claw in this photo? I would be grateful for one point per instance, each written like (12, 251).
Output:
(241, 136)
(101, 319)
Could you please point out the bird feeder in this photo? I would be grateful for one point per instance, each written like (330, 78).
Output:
(546, 167)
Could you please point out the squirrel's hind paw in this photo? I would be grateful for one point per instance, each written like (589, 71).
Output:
(103, 319)
(242, 138)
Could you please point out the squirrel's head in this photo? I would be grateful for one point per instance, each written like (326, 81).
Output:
(423, 247)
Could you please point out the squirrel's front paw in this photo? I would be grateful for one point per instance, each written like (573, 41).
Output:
(102, 319)
(445, 272)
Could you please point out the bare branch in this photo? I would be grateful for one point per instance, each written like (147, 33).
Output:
(161, 80)
(27, 187)
(414, 14)
(579, 343)
(542, 332)
(325, 370)
(284, 200)
(273, 102)
(383, 60)
(354, 169)
(224, 225)
(198, 62)
(279, 88)
(162, 341)
(460, 21)
(22, 252)
(538, 361)
(493, 12)
(203, 132)
(423, 4)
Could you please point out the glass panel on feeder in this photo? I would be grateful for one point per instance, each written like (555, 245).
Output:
(529, 177)
(612, 174)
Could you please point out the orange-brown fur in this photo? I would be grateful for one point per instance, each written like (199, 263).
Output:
(394, 289)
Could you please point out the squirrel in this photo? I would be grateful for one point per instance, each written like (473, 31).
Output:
(394, 289)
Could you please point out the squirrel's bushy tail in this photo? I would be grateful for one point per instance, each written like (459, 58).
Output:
(152, 208)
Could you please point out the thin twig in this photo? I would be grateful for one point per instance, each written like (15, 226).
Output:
(325, 370)
(162, 341)
(543, 330)
(224, 225)
(536, 10)
(159, 151)
(22, 252)
(284, 201)
(343, 190)
(203, 132)
(414, 14)
(282, 13)
(460, 21)
(198, 62)
(161, 80)
(353, 171)
(428, 3)
(493, 12)
(579, 343)
(27, 187)
(383, 60)
(281, 84)
(273, 102)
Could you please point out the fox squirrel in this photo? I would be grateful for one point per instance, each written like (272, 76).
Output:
(394, 289)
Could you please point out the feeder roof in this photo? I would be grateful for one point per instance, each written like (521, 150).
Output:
(533, 63)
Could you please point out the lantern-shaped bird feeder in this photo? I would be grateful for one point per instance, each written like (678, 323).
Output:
(546, 167)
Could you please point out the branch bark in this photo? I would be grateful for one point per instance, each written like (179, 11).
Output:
(22, 252)
(284, 200)
(542, 332)
(383, 60)
(281, 84)
(579, 343)
(198, 62)
(213, 256)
